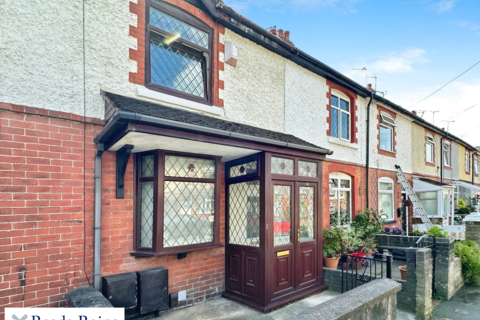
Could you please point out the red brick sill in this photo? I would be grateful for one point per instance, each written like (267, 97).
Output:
(144, 254)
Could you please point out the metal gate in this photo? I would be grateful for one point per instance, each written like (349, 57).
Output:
(357, 270)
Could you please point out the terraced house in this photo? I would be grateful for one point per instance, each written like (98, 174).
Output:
(140, 134)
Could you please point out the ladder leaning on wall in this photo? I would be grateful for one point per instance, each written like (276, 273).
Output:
(418, 209)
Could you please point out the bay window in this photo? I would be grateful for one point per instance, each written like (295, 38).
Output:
(178, 203)
(179, 55)
(386, 197)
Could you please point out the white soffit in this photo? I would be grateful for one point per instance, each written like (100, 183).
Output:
(145, 142)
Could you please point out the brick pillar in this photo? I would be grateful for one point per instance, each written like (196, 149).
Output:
(423, 272)
(472, 231)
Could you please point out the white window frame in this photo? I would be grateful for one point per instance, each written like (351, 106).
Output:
(341, 176)
(387, 122)
(339, 117)
(430, 141)
(467, 161)
(392, 192)
(475, 164)
(446, 160)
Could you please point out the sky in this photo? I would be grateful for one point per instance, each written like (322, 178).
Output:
(412, 47)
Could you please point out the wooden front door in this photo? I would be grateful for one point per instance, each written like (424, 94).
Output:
(294, 236)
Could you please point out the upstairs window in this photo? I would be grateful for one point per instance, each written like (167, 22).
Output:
(340, 118)
(387, 123)
(467, 161)
(475, 164)
(430, 148)
(178, 58)
(446, 154)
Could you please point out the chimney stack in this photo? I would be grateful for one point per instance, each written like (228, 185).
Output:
(287, 35)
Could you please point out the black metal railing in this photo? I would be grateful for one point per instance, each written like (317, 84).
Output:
(359, 270)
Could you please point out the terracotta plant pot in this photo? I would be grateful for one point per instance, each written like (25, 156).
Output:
(403, 272)
(331, 263)
(357, 265)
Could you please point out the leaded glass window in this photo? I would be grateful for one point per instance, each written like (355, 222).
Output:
(179, 53)
(243, 169)
(188, 167)
(187, 210)
(307, 169)
(282, 166)
(307, 219)
(244, 213)
(340, 118)
(282, 215)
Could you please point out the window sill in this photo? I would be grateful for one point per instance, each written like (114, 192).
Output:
(177, 102)
(342, 143)
(144, 254)
(390, 221)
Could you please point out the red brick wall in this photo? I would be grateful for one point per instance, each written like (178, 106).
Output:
(44, 231)
(358, 189)
(138, 55)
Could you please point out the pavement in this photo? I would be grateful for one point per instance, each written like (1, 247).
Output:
(464, 305)
(221, 308)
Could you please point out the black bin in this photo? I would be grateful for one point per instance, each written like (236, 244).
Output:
(121, 290)
(152, 290)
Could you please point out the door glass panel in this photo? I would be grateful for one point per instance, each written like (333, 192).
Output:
(307, 169)
(244, 213)
(146, 215)
(282, 215)
(307, 205)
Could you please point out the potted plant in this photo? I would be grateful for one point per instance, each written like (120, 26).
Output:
(403, 272)
(358, 258)
(332, 238)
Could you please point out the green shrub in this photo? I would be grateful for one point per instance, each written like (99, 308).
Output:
(437, 232)
(368, 224)
(469, 255)
(463, 210)
(416, 233)
(331, 241)
(461, 203)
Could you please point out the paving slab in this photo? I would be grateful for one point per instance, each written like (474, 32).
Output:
(224, 309)
(464, 305)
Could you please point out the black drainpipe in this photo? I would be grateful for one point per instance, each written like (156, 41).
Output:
(367, 163)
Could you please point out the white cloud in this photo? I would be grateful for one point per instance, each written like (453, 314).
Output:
(470, 25)
(444, 5)
(450, 101)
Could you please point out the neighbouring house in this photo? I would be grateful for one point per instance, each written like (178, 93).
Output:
(145, 133)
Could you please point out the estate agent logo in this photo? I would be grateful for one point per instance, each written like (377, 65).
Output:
(65, 314)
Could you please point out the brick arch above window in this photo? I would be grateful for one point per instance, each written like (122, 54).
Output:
(352, 97)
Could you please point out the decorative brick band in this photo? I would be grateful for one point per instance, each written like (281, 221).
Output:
(49, 113)
(138, 32)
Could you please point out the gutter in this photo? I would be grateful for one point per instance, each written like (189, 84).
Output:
(121, 118)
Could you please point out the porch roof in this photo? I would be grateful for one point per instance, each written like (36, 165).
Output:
(425, 184)
(466, 185)
(130, 110)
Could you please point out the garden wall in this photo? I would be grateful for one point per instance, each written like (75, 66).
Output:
(448, 269)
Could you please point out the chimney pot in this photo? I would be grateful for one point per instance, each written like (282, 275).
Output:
(273, 31)
(280, 33)
(287, 35)
(414, 112)
(369, 86)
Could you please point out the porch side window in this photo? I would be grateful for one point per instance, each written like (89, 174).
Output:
(386, 197)
(429, 202)
(340, 118)
(429, 148)
(340, 199)
(179, 53)
(387, 123)
(446, 154)
(177, 202)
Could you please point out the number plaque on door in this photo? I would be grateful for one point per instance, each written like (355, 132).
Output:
(283, 253)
